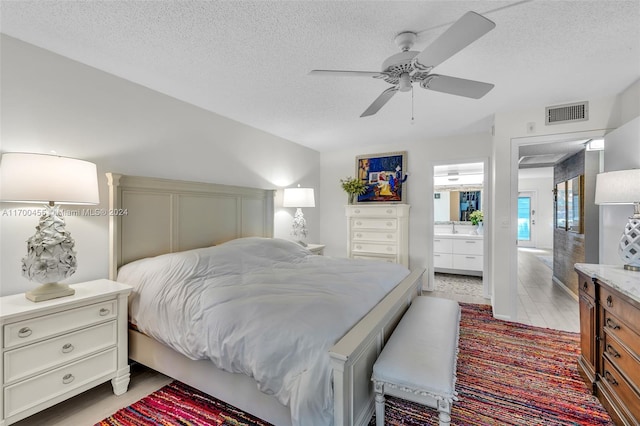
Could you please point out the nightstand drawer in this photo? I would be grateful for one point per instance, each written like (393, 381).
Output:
(391, 236)
(29, 360)
(31, 392)
(618, 328)
(621, 358)
(613, 380)
(374, 248)
(41, 327)
(364, 223)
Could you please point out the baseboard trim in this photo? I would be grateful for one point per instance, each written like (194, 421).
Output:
(565, 288)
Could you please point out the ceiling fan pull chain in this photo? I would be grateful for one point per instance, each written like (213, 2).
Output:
(412, 117)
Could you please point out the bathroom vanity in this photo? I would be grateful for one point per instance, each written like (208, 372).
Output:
(460, 252)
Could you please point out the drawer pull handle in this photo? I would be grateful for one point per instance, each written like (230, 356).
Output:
(389, 236)
(389, 211)
(611, 351)
(612, 324)
(470, 242)
(358, 235)
(358, 223)
(437, 241)
(67, 348)
(358, 247)
(436, 255)
(356, 211)
(610, 378)
(68, 378)
(24, 332)
(470, 257)
(585, 286)
(609, 301)
(104, 312)
(389, 223)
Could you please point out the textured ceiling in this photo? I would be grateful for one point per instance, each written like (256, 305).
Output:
(249, 60)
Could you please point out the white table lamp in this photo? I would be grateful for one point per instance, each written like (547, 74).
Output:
(53, 180)
(623, 187)
(298, 198)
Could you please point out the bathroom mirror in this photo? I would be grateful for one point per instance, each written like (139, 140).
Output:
(455, 205)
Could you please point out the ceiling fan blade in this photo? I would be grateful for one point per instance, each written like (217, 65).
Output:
(462, 33)
(457, 86)
(380, 101)
(338, 73)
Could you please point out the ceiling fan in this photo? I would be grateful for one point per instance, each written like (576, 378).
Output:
(410, 66)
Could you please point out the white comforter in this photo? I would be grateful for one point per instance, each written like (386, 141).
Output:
(263, 307)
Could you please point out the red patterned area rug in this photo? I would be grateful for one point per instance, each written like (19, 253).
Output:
(508, 374)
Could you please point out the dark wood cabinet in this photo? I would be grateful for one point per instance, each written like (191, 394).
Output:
(610, 338)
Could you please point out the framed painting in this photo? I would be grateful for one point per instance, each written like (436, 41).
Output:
(384, 176)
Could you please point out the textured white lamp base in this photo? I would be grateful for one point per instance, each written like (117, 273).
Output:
(629, 247)
(49, 291)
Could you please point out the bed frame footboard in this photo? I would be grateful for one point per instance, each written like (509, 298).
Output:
(352, 358)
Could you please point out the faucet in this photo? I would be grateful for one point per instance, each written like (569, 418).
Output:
(453, 228)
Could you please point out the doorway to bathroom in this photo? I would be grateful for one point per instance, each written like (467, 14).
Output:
(459, 227)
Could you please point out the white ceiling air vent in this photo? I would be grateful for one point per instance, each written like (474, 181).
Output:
(578, 111)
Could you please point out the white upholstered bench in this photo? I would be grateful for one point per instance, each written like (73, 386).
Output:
(418, 363)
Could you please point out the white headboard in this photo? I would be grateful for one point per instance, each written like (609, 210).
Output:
(151, 216)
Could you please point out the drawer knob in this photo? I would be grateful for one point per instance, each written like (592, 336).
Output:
(24, 332)
(358, 247)
(611, 351)
(358, 223)
(389, 236)
(585, 286)
(68, 378)
(67, 348)
(611, 324)
(610, 378)
(389, 211)
(104, 312)
(389, 223)
(359, 235)
(609, 301)
(356, 211)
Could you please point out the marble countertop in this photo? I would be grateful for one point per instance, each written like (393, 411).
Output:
(458, 236)
(626, 282)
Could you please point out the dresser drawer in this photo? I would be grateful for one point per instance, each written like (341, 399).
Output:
(616, 327)
(32, 359)
(587, 286)
(387, 259)
(442, 245)
(613, 380)
(367, 223)
(34, 391)
(389, 236)
(468, 246)
(621, 359)
(467, 262)
(41, 327)
(620, 308)
(374, 248)
(376, 211)
(443, 260)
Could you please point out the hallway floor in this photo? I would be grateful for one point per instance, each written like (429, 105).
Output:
(541, 302)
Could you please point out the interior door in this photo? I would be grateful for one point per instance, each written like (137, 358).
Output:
(526, 219)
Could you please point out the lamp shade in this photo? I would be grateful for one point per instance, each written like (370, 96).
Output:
(298, 197)
(41, 178)
(619, 187)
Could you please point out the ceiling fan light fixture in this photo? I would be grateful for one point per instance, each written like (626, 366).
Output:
(404, 85)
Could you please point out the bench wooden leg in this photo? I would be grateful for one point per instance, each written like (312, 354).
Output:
(444, 412)
(379, 389)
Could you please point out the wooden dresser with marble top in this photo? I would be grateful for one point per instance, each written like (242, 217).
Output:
(609, 300)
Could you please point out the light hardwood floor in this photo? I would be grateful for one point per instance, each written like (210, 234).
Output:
(541, 303)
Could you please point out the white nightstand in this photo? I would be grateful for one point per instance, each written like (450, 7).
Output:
(58, 348)
(316, 248)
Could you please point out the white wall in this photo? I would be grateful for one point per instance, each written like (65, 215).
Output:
(421, 156)
(52, 103)
(542, 186)
(622, 152)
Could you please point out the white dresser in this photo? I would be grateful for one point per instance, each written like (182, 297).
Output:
(379, 232)
(457, 253)
(58, 348)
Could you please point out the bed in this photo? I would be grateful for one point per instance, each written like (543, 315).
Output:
(151, 217)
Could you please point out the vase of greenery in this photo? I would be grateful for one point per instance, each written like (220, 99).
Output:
(477, 217)
(353, 187)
